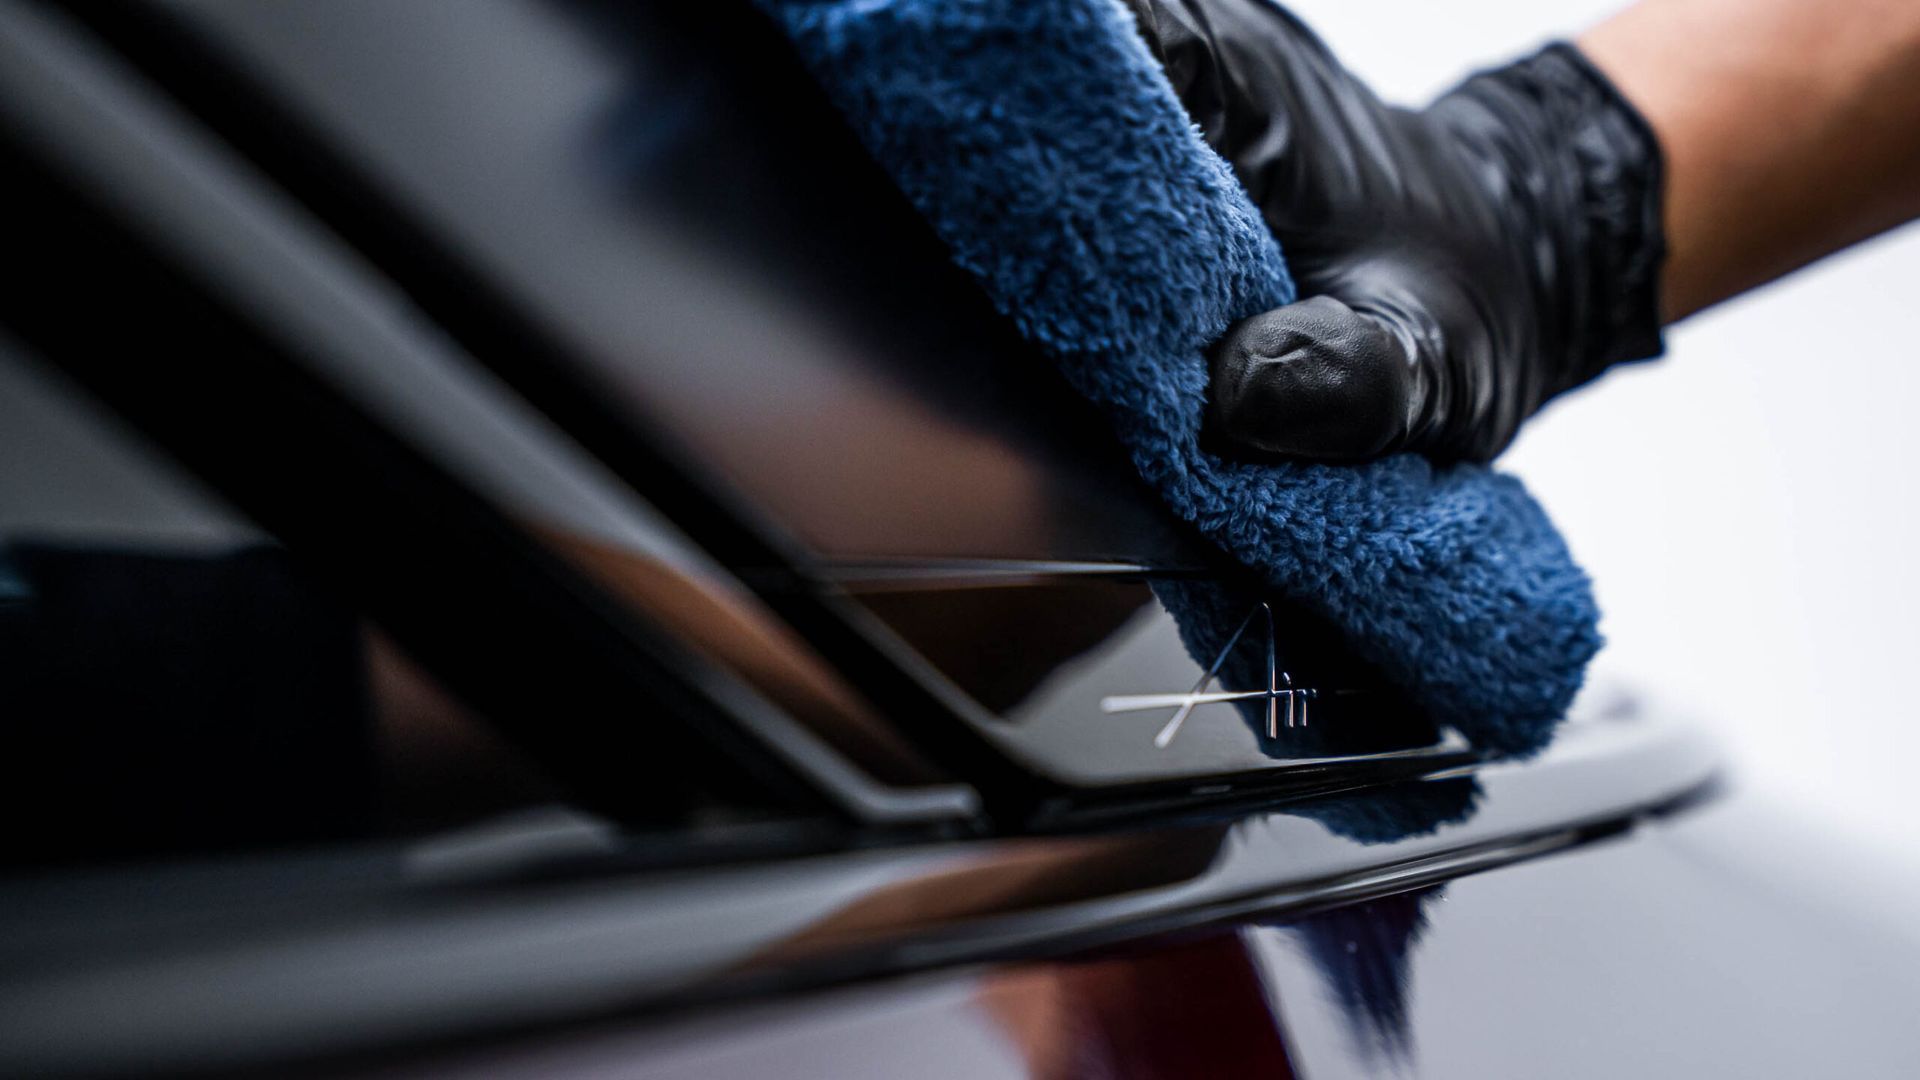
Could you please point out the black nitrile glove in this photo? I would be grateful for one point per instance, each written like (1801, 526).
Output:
(1459, 265)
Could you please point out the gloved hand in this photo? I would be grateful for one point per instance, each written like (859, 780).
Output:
(1459, 265)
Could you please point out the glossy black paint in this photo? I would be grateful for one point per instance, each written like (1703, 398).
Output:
(452, 959)
(534, 337)
(411, 540)
(1663, 952)
(1024, 776)
(672, 321)
(619, 176)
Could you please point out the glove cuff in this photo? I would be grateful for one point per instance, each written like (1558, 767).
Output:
(1585, 168)
(1612, 233)
(1622, 172)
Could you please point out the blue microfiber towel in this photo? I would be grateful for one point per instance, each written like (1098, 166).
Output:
(1047, 148)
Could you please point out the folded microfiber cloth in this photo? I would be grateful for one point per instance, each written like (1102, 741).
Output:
(1046, 147)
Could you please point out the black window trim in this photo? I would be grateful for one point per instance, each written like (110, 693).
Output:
(614, 707)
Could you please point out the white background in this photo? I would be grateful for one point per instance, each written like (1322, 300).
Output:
(1748, 505)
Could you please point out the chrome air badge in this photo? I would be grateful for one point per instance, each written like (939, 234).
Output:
(1287, 704)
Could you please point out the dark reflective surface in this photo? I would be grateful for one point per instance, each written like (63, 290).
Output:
(1195, 1009)
(1104, 677)
(667, 190)
(434, 941)
(1583, 928)
(1665, 954)
(797, 330)
(176, 684)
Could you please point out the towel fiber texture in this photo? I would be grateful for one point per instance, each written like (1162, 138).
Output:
(1046, 147)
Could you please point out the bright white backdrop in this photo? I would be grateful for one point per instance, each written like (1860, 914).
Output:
(1748, 506)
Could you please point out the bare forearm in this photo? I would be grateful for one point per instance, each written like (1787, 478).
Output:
(1791, 129)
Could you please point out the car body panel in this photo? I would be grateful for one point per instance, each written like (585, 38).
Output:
(804, 478)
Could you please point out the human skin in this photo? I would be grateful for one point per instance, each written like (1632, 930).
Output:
(1790, 129)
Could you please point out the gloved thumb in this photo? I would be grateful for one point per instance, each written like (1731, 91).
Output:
(1315, 379)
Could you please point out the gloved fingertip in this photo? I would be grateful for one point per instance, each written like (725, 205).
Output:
(1314, 380)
